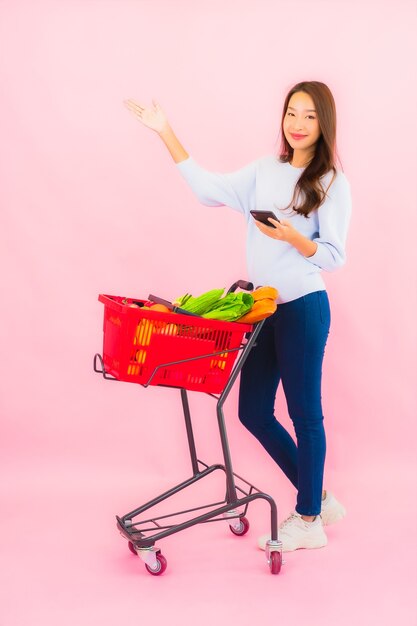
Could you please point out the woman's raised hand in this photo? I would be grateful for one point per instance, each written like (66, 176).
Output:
(153, 117)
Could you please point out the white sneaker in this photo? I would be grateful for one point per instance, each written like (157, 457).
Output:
(295, 533)
(331, 510)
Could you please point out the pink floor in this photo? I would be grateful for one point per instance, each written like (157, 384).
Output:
(64, 563)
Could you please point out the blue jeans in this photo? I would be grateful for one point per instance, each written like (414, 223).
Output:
(290, 348)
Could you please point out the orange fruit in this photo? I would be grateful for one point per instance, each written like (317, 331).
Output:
(144, 331)
(170, 329)
(140, 356)
(160, 307)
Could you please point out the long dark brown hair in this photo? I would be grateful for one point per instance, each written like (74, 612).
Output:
(309, 187)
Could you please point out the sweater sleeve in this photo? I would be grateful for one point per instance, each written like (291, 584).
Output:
(334, 217)
(236, 189)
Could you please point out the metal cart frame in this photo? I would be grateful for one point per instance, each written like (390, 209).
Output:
(144, 533)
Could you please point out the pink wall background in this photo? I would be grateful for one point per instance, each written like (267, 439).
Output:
(91, 203)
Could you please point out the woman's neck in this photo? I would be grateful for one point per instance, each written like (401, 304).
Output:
(301, 159)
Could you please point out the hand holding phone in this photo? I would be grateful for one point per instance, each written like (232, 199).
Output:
(262, 216)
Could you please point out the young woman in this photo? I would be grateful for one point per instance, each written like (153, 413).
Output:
(312, 201)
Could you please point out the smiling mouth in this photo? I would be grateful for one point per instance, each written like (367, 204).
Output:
(298, 136)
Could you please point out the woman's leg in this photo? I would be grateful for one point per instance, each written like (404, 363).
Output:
(301, 333)
(258, 385)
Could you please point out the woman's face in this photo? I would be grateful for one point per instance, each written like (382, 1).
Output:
(301, 119)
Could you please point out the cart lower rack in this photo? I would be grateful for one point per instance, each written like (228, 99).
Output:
(192, 354)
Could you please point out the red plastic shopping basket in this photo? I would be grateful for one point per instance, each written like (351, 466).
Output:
(157, 348)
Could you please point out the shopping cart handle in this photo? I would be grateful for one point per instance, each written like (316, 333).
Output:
(241, 284)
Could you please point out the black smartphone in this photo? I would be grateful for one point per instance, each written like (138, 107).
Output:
(262, 216)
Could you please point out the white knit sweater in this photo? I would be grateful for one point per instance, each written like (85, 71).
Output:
(268, 184)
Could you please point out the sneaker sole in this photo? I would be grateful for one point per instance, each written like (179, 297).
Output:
(305, 547)
(322, 544)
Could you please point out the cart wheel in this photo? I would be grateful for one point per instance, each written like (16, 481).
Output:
(132, 548)
(243, 528)
(161, 565)
(275, 561)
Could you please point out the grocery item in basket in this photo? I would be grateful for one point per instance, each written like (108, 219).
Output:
(231, 307)
(264, 305)
(259, 311)
(200, 304)
(170, 329)
(146, 328)
(262, 293)
(158, 307)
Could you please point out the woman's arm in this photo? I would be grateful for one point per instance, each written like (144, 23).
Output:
(234, 189)
(175, 147)
(334, 219)
(327, 251)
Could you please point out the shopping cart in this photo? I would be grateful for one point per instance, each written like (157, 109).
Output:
(193, 354)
